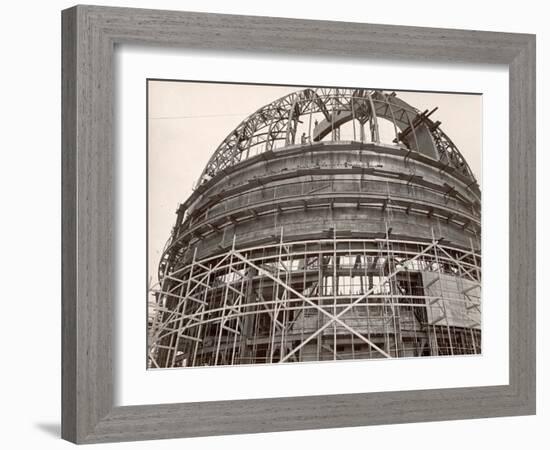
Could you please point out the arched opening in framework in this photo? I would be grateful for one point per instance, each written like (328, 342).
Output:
(314, 115)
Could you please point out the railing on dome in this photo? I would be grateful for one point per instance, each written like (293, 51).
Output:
(318, 113)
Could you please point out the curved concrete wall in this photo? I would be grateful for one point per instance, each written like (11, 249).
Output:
(314, 191)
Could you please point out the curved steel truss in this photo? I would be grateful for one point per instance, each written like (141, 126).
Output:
(320, 113)
(318, 300)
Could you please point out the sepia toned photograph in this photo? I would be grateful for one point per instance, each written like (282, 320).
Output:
(292, 224)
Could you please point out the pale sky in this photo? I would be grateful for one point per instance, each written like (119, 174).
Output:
(188, 120)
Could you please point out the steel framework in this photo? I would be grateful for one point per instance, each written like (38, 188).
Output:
(275, 125)
(327, 249)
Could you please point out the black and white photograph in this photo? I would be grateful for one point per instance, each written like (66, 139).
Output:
(291, 224)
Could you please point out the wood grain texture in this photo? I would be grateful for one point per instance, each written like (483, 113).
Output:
(89, 205)
(68, 226)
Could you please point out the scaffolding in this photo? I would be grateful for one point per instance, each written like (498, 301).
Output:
(319, 300)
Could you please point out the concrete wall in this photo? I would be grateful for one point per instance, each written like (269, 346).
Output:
(357, 189)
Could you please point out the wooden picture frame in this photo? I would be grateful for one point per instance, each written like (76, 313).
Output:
(90, 34)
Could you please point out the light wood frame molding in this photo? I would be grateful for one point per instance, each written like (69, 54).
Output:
(90, 34)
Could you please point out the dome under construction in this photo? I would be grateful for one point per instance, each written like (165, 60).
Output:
(330, 224)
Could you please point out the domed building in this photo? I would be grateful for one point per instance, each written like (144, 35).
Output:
(331, 224)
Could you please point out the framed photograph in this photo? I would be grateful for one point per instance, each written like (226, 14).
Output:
(266, 230)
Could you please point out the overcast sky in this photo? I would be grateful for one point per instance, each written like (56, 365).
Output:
(188, 120)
